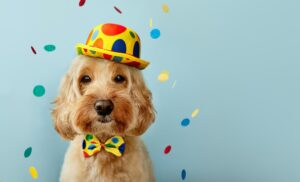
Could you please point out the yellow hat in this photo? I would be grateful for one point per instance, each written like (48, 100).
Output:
(114, 42)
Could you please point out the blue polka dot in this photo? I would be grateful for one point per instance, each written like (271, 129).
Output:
(115, 140)
(119, 46)
(83, 144)
(91, 147)
(95, 34)
(136, 49)
(155, 33)
(122, 148)
(117, 59)
(185, 122)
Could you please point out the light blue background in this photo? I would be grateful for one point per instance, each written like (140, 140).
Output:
(237, 60)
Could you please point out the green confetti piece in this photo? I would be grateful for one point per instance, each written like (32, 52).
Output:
(27, 152)
(39, 90)
(49, 47)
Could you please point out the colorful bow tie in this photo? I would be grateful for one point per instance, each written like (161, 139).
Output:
(91, 145)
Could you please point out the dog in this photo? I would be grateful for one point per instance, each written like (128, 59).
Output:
(104, 99)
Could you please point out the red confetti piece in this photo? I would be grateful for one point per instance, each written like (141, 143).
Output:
(167, 149)
(118, 10)
(33, 50)
(81, 2)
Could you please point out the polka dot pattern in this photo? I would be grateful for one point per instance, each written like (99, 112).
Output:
(83, 144)
(136, 49)
(119, 46)
(117, 59)
(114, 42)
(98, 43)
(115, 140)
(112, 29)
(89, 137)
(95, 35)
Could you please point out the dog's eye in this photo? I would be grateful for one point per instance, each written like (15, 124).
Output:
(119, 79)
(85, 79)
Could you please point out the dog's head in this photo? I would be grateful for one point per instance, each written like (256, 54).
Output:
(102, 97)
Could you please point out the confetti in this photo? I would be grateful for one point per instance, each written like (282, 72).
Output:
(39, 90)
(33, 50)
(155, 33)
(27, 152)
(174, 83)
(195, 112)
(167, 149)
(163, 76)
(118, 10)
(81, 2)
(165, 8)
(49, 47)
(185, 122)
(33, 172)
(151, 22)
(183, 174)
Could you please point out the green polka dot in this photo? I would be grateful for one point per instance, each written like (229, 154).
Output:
(49, 47)
(132, 34)
(39, 90)
(79, 51)
(89, 137)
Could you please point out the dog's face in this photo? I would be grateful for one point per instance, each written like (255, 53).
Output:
(102, 97)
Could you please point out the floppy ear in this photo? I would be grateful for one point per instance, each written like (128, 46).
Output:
(142, 97)
(62, 112)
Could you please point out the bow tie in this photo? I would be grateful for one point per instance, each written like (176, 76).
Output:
(91, 145)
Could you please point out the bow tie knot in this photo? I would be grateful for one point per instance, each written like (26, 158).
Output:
(91, 145)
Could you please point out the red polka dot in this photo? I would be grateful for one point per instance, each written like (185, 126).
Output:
(98, 43)
(85, 50)
(134, 64)
(107, 56)
(112, 29)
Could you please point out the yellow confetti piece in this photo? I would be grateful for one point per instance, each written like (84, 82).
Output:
(33, 172)
(174, 83)
(151, 22)
(163, 76)
(195, 112)
(165, 8)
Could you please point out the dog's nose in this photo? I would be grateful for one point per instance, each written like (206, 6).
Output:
(104, 107)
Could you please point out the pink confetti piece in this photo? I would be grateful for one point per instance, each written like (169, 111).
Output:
(118, 10)
(81, 2)
(33, 50)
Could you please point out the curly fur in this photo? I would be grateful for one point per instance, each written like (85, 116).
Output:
(74, 116)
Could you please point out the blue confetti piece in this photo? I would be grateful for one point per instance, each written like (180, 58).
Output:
(183, 174)
(185, 122)
(155, 33)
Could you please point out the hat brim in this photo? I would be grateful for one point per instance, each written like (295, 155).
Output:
(129, 60)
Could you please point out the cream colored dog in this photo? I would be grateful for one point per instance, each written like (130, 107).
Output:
(105, 99)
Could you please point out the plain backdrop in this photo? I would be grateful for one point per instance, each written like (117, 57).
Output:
(236, 60)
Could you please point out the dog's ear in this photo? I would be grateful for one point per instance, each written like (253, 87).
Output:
(64, 105)
(142, 97)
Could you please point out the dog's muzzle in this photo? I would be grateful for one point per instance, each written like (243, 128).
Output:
(103, 107)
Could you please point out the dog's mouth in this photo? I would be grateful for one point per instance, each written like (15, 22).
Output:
(104, 119)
